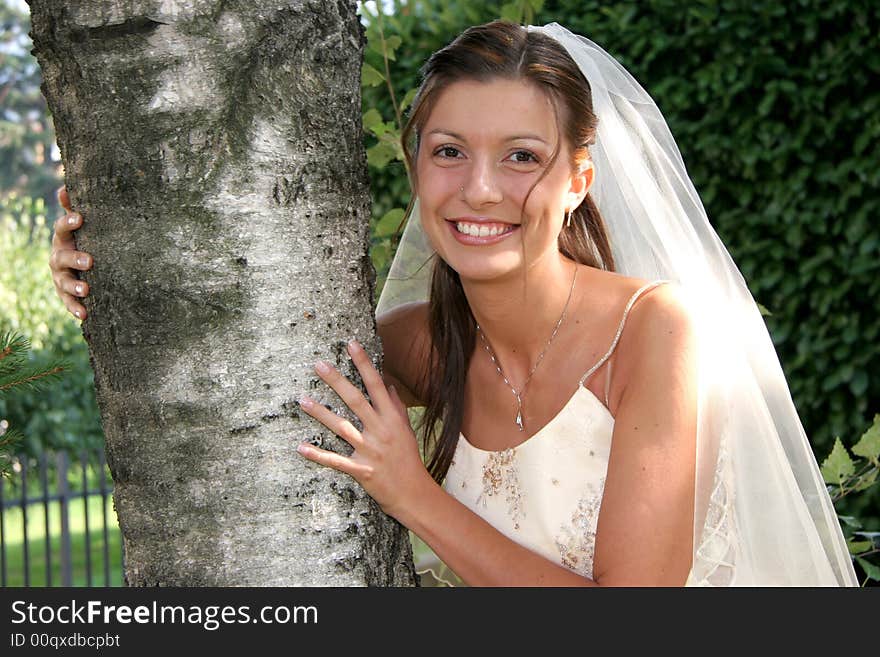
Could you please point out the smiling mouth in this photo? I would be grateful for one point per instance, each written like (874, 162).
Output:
(492, 229)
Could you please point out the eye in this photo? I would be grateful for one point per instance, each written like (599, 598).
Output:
(524, 157)
(450, 152)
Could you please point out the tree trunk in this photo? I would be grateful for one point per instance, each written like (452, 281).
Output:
(214, 150)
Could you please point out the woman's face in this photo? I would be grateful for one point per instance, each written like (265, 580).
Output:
(481, 149)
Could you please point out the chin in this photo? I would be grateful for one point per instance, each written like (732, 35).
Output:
(482, 269)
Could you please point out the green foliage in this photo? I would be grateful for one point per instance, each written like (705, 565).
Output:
(16, 372)
(65, 414)
(29, 160)
(845, 475)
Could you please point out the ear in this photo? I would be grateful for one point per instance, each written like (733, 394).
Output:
(581, 182)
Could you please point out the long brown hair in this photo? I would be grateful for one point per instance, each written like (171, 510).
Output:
(499, 49)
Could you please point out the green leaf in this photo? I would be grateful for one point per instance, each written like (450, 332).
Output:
(857, 547)
(408, 98)
(371, 119)
(859, 383)
(872, 571)
(866, 481)
(389, 223)
(838, 466)
(370, 77)
(850, 521)
(764, 311)
(392, 43)
(869, 444)
(380, 154)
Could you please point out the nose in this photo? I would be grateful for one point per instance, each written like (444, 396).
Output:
(481, 186)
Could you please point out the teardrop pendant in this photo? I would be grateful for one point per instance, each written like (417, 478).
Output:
(519, 420)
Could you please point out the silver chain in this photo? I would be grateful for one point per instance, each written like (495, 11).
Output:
(521, 392)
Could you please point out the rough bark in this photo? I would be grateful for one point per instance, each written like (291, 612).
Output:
(214, 150)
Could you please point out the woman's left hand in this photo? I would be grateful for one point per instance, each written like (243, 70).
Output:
(386, 460)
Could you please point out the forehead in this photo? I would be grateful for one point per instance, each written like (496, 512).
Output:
(495, 109)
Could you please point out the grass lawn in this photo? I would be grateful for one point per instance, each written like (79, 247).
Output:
(13, 544)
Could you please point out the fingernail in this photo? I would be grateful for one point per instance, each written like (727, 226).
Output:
(302, 448)
(71, 220)
(322, 367)
(77, 313)
(305, 402)
(353, 345)
(79, 288)
(82, 261)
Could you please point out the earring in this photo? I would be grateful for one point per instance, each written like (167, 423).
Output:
(568, 218)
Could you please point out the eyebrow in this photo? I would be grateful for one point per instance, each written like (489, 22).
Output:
(455, 135)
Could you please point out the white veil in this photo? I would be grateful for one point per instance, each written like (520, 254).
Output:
(763, 514)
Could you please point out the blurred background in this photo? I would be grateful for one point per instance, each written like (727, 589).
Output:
(775, 107)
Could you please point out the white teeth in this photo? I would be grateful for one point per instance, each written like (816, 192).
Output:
(480, 231)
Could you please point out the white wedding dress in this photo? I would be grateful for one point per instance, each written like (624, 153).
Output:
(546, 492)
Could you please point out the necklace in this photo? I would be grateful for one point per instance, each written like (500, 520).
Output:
(519, 393)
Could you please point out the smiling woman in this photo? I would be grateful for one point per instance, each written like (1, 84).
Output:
(603, 404)
(489, 177)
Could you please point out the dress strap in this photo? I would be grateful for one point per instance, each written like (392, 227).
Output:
(629, 305)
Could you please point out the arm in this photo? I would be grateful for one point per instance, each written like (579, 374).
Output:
(386, 462)
(65, 260)
(405, 342)
(645, 527)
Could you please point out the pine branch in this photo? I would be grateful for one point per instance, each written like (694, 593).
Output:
(13, 344)
(32, 379)
(14, 349)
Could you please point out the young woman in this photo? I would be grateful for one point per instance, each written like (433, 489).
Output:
(603, 403)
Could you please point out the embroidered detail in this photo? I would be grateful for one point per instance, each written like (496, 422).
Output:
(576, 541)
(499, 475)
(716, 557)
(554, 481)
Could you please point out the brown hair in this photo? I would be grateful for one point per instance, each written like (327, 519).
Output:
(499, 49)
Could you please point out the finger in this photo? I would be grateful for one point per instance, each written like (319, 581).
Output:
(73, 286)
(331, 459)
(338, 425)
(73, 306)
(347, 392)
(397, 402)
(70, 259)
(370, 375)
(63, 197)
(65, 225)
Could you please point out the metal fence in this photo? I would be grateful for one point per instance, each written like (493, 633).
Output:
(46, 542)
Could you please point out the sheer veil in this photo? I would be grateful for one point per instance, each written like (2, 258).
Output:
(763, 515)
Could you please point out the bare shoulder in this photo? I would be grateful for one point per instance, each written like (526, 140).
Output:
(661, 320)
(405, 341)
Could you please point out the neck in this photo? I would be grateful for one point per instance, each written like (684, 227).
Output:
(518, 314)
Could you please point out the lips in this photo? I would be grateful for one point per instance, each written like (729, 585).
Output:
(480, 230)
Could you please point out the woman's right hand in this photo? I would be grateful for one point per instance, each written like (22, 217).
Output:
(65, 260)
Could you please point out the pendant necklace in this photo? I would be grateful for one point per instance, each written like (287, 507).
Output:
(519, 393)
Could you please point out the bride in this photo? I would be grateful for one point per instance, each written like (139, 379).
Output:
(603, 404)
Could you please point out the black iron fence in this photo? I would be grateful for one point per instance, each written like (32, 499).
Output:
(57, 524)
